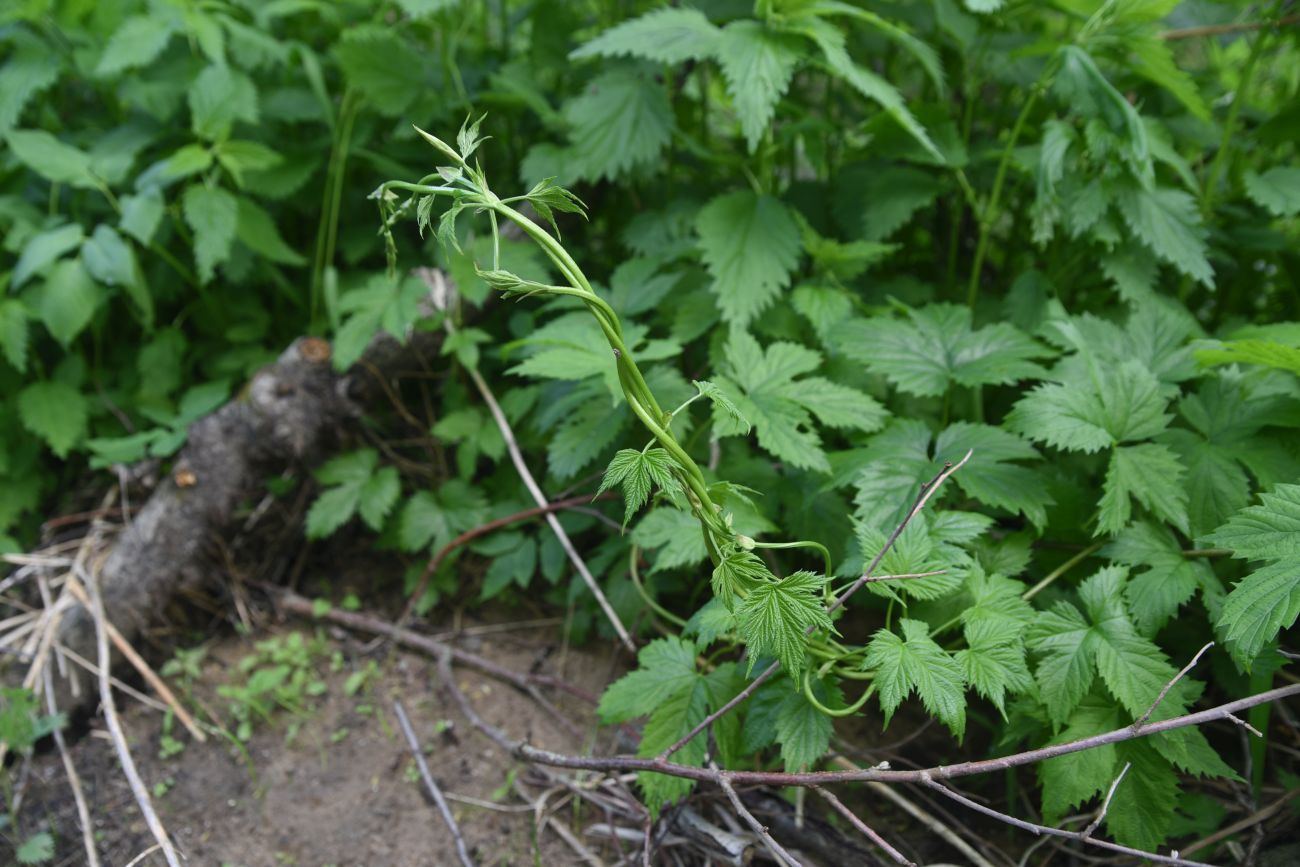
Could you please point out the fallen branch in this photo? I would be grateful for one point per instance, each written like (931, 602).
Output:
(864, 828)
(782, 857)
(74, 780)
(430, 785)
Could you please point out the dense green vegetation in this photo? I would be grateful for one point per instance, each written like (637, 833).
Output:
(847, 241)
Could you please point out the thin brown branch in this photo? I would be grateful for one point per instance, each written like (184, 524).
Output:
(430, 785)
(137, 785)
(1237, 827)
(1141, 721)
(866, 830)
(1057, 832)
(517, 457)
(943, 772)
(1224, 29)
(932, 823)
(74, 780)
(927, 491)
(777, 850)
(431, 568)
(1105, 804)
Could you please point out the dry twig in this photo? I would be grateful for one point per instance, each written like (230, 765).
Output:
(430, 785)
(74, 780)
(1141, 721)
(867, 830)
(782, 856)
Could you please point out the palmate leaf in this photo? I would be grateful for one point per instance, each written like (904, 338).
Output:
(990, 476)
(781, 407)
(914, 662)
(775, 614)
(803, 731)
(737, 573)
(1126, 404)
(1152, 475)
(1168, 222)
(938, 347)
(664, 35)
(675, 537)
(750, 245)
(639, 472)
(1169, 580)
(664, 667)
(1268, 599)
(994, 662)
(1073, 779)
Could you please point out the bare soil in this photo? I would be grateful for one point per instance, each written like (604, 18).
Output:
(343, 791)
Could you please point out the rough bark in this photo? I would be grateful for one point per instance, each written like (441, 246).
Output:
(289, 415)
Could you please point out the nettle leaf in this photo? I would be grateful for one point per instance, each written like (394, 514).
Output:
(1266, 353)
(137, 42)
(622, 120)
(43, 248)
(30, 69)
(68, 300)
(56, 412)
(218, 98)
(914, 662)
(939, 347)
(1168, 222)
(664, 667)
(781, 407)
(213, 215)
(775, 614)
(1149, 473)
(13, 333)
(1125, 404)
(720, 400)
(757, 63)
(382, 66)
(994, 662)
(1268, 599)
(750, 245)
(664, 35)
(1276, 190)
(638, 472)
(54, 160)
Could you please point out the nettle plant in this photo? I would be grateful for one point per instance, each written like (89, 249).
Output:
(1174, 431)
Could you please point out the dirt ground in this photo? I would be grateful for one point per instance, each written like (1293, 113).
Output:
(343, 791)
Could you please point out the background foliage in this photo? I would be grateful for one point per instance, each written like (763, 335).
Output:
(885, 232)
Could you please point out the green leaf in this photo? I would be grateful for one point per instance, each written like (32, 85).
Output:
(1126, 404)
(1269, 531)
(238, 157)
(1149, 473)
(431, 519)
(674, 718)
(30, 69)
(13, 333)
(639, 472)
(1168, 222)
(720, 400)
(378, 496)
(36, 849)
(54, 411)
(750, 244)
(994, 662)
(1170, 579)
(42, 249)
(213, 214)
(737, 573)
(675, 534)
(915, 663)
(137, 42)
(1068, 668)
(350, 477)
(256, 230)
(1276, 190)
(664, 36)
(775, 614)
(990, 476)
(803, 731)
(834, 405)
(52, 159)
(938, 348)
(757, 64)
(1267, 353)
(516, 565)
(111, 261)
(68, 300)
(1071, 780)
(1143, 806)
(218, 98)
(382, 66)
(622, 120)
(665, 667)
(1268, 599)
(713, 621)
